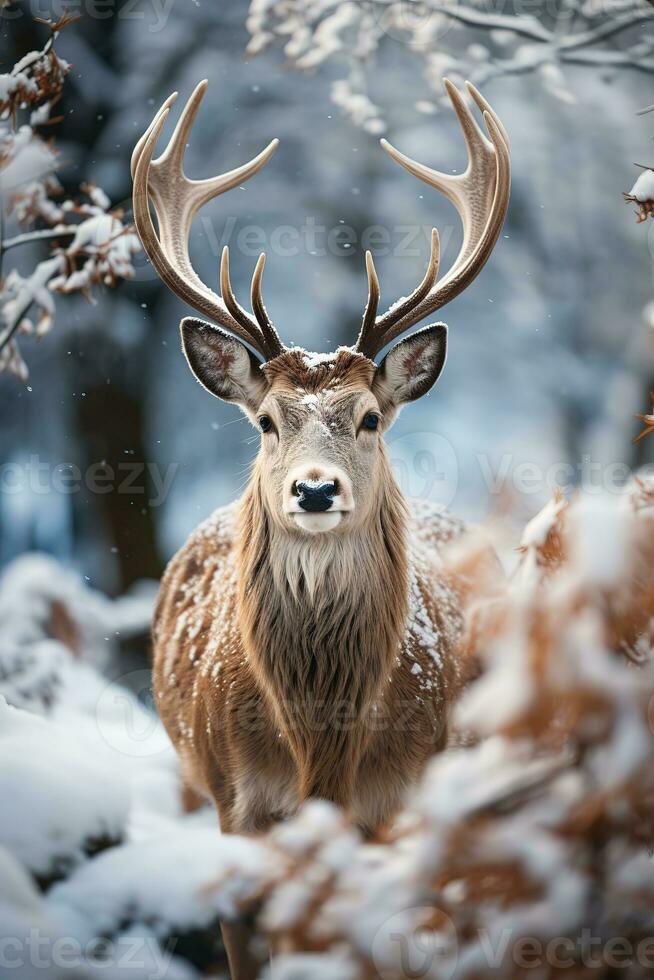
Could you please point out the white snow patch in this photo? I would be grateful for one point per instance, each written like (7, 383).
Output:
(86, 798)
(643, 189)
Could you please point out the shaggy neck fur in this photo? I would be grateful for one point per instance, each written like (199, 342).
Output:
(323, 619)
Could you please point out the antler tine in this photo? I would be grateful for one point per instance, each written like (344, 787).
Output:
(270, 342)
(367, 332)
(270, 335)
(485, 106)
(174, 151)
(370, 333)
(176, 199)
(138, 149)
(233, 306)
(480, 195)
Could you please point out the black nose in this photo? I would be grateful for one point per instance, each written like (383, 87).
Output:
(316, 497)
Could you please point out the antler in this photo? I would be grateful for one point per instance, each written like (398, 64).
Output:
(176, 200)
(480, 195)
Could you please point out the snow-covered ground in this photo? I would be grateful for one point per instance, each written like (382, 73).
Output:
(93, 841)
(540, 830)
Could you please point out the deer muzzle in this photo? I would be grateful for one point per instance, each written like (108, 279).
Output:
(318, 497)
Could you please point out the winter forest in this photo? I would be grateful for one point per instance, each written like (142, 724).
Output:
(526, 848)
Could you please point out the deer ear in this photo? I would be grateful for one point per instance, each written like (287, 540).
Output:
(222, 364)
(411, 368)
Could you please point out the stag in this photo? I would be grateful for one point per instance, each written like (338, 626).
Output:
(305, 637)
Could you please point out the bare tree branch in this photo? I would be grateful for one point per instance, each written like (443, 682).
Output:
(37, 236)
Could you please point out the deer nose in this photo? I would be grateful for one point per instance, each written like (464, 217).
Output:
(315, 496)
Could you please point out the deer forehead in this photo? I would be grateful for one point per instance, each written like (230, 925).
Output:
(297, 370)
(319, 391)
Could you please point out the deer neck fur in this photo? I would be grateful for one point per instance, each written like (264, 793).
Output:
(323, 619)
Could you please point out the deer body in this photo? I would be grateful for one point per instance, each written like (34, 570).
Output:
(305, 639)
(270, 699)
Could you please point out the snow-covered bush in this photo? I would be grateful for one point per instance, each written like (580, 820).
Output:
(532, 847)
(527, 846)
(100, 246)
(61, 802)
(55, 630)
(100, 868)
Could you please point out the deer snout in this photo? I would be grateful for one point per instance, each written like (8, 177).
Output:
(317, 497)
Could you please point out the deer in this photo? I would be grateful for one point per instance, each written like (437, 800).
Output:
(305, 637)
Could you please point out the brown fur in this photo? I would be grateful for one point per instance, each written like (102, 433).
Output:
(290, 666)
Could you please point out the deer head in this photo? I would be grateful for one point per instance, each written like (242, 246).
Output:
(321, 417)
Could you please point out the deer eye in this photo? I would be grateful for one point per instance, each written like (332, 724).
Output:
(370, 421)
(265, 423)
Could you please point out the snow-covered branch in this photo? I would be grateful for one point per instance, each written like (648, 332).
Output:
(437, 32)
(101, 247)
(44, 234)
(642, 194)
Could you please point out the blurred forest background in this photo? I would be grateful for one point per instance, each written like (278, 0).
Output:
(550, 349)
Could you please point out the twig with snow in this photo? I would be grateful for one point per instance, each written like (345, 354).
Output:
(102, 246)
